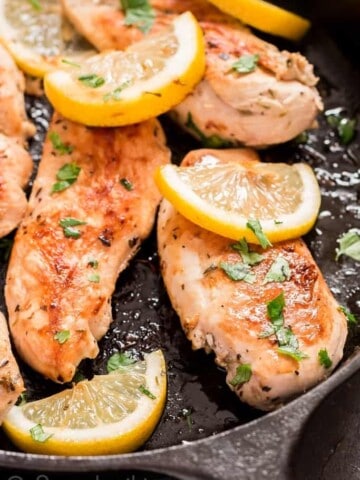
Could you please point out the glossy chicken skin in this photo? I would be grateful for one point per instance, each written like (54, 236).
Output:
(65, 283)
(228, 317)
(270, 104)
(15, 161)
(11, 383)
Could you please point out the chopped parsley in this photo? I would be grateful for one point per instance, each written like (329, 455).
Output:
(147, 392)
(349, 316)
(116, 93)
(36, 5)
(68, 225)
(93, 263)
(238, 271)
(119, 360)
(138, 13)
(37, 433)
(94, 278)
(250, 258)
(66, 176)
(62, 336)
(255, 226)
(92, 80)
(324, 358)
(58, 144)
(243, 375)
(349, 244)
(213, 141)
(246, 63)
(344, 126)
(288, 344)
(127, 184)
(70, 63)
(279, 271)
(22, 399)
(302, 138)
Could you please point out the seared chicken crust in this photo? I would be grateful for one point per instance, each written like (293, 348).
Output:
(59, 283)
(229, 317)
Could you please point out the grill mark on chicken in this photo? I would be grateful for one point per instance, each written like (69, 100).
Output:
(54, 290)
(227, 317)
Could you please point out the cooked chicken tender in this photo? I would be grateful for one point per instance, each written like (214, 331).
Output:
(230, 317)
(93, 202)
(270, 103)
(11, 383)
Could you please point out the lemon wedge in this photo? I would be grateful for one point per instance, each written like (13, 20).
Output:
(223, 198)
(266, 17)
(38, 36)
(123, 87)
(108, 414)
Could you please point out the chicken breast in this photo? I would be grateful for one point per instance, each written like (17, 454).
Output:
(271, 103)
(77, 237)
(11, 383)
(230, 317)
(15, 161)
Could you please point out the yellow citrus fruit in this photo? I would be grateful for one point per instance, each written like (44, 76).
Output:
(38, 36)
(108, 414)
(222, 198)
(266, 17)
(123, 87)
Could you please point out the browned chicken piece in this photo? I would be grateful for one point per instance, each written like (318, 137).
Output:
(271, 102)
(73, 243)
(11, 383)
(230, 317)
(13, 120)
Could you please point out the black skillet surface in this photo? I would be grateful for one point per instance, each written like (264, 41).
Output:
(199, 404)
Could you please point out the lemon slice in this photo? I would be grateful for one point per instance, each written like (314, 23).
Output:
(266, 17)
(38, 36)
(222, 198)
(112, 413)
(124, 87)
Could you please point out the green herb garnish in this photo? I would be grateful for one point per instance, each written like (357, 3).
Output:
(279, 271)
(126, 184)
(70, 63)
(116, 94)
(94, 278)
(349, 316)
(37, 433)
(67, 225)
(147, 392)
(93, 263)
(138, 13)
(62, 336)
(21, 399)
(250, 258)
(346, 130)
(67, 175)
(36, 5)
(246, 63)
(58, 144)
(302, 138)
(92, 80)
(213, 141)
(324, 358)
(243, 374)
(238, 271)
(275, 309)
(255, 226)
(349, 244)
(119, 360)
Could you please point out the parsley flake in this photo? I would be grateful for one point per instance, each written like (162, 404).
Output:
(127, 184)
(36, 5)
(93, 263)
(238, 271)
(58, 145)
(324, 358)
(349, 244)
(349, 316)
(147, 392)
(250, 258)
(70, 63)
(246, 63)
(116, 93)
(92, 80)
(138, 13)
(22, 399)
(119, 360)
(62, 336)
(67, 175)
(255, 226)
(67, 225)
(213, 141)
(243, 375)
(94, 278)
(279, 271)
(37, 433)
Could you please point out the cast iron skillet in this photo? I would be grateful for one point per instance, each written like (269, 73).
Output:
(228, 439)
